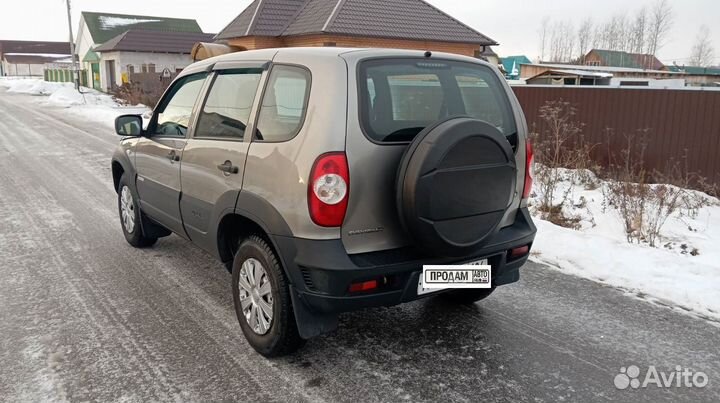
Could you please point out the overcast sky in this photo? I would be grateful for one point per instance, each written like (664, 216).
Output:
(514, 24)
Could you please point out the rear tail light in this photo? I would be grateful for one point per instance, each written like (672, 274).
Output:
(364, 286)
(328, 190)
(519, 252)
(529, 169)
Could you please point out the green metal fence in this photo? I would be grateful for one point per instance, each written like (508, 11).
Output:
(64, 76)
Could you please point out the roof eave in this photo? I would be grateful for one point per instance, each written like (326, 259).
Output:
(354, 35)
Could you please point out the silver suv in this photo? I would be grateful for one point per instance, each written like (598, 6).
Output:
(325, 178)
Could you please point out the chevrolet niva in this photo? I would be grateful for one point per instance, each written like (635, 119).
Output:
(325, 178)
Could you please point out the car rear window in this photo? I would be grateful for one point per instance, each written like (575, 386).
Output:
(400, 97)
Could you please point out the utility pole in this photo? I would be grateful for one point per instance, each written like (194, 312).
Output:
(76, 70)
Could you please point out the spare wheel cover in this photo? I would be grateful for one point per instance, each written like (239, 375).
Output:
(455, 182)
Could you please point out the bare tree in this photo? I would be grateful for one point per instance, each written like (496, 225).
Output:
(638, 32)
(543, 33)
(618, 34)
(603, 34)
(562, 41)
(661, 20)
(584, 38)
(703, 52)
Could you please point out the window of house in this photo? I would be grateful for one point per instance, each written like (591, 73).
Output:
(227, 109)
(130, 68)
(284, 103)
(175, 110)
(151, 68)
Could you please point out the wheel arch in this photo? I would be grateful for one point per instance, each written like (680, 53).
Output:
(252, 215)
(117, 172)
(120, 165)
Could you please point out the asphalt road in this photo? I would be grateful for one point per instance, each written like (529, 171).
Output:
(85, 317)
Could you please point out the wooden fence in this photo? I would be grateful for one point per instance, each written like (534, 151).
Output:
(677, 123)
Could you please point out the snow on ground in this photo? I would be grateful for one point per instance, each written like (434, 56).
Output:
(89, 104)
(683, 271)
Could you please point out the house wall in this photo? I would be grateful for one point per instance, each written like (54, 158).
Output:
(122, 60)
(527, 71)
(21, 69)
(593, 59)
(700, 80)
(83, 44)
(255, 42)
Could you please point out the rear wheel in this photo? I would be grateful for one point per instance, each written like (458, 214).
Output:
(261, 294)
(468, 296)
(130, 214)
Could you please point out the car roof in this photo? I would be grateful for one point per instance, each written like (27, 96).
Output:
(316, 53)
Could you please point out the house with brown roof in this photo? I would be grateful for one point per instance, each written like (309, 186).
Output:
(147, 51)
(617, 58)
(405, 24)
(112, 46)
(28, 58)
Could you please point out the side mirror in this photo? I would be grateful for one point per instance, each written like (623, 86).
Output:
(129, 125)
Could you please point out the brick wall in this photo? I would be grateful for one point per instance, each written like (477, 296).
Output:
(255, 42)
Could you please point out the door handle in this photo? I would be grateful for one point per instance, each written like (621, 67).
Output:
(228, 168)
(173, 157)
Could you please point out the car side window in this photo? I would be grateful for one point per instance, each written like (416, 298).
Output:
(175, 111)
(284, 104)
(227, 109)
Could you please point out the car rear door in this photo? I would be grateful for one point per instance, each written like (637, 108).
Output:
(158, 154)
(214, 155)
(392, 100)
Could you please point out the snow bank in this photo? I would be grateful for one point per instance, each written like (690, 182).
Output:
(32, 86)
(89, 105)
(670, 274)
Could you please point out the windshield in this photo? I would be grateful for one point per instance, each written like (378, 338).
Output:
(400, 97)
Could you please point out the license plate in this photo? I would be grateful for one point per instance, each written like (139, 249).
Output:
(436, 278)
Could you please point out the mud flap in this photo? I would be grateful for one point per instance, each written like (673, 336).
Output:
(152, 230)
(309, 323)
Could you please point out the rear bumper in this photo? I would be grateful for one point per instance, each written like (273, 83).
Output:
(321, 271)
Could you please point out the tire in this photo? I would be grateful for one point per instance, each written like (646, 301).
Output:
(271, 337)
(130, 215)
(466, 297)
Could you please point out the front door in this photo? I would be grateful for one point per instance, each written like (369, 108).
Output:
(111, 76)
(214, 157)
(95, 71)
(159, 153)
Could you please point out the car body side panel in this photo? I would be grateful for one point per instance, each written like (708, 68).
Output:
(279, 172)
(125, 156)
(208, 192)
(158, 180)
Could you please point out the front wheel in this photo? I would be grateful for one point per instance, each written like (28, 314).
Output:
(130, 216)
(262, 299)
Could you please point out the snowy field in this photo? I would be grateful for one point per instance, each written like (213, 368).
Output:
(89, 104)
(683, 271)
